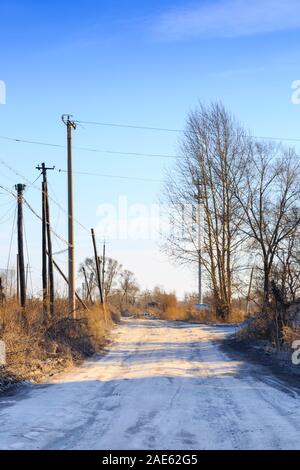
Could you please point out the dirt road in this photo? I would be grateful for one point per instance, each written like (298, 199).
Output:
(159, 385)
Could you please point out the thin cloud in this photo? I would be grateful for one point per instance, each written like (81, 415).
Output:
(228, 19)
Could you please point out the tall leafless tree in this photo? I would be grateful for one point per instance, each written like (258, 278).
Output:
(213, 150)
(286, 272)
(269, 197)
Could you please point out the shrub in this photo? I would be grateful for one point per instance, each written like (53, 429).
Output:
(37, 346)
(257, 327)
(290, 335)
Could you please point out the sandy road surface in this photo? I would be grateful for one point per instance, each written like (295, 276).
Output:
(160, 385)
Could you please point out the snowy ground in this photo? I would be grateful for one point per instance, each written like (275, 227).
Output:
(161, 385)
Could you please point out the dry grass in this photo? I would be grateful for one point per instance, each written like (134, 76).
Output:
(36, 347)
(173, 310)
(237, 315)
(290, 335)
(264, 326)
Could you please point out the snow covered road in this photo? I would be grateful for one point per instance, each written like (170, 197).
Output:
(160, 385)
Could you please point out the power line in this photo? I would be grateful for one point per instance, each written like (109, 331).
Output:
(135, 178)
(130, 126)
(34, 142)
(126, 153)
(11, 241)
(59, 211)
(28, 261)
(90, 149)
(7, 215)
(60, 252)
(27, 203)
(136, 154)
(37, 178)
(7, 190)
(31, 184)
(165, 129)
(31, 208)
(40, 218)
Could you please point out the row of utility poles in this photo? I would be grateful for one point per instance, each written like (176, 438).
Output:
(47, 256)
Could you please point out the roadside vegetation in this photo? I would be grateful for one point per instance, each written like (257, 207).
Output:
(233, 201)
(37, 346)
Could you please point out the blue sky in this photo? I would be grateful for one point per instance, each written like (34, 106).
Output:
(141, 63)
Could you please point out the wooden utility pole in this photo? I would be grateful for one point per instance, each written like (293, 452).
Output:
(97, 266)
(70, 126)
(103, 272)
(88, 291)
(50, 259)
(2, 295)
(100, 271)
(18, 279)
(46, 240)
(20, 189)
(44, 251)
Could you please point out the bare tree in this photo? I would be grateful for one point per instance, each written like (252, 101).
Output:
(112, 272)
(269, 197)
(128, 287)
(212, 154)
(286, 270)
